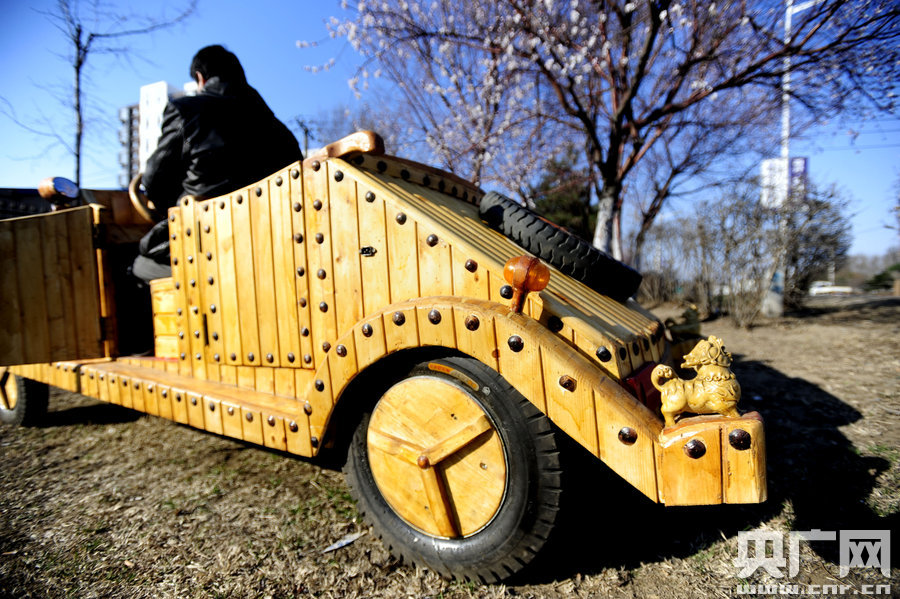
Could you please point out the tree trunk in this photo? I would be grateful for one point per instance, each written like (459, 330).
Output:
(603, 232)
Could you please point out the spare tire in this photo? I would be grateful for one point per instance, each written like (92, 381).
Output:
(556, 246)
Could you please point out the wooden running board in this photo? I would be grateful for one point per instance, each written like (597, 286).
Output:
(274, 421)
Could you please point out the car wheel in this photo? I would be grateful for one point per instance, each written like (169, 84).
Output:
(456, 471)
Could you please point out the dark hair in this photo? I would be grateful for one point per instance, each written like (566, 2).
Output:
(216, 61)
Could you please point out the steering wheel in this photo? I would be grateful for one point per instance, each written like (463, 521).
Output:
(141, 203)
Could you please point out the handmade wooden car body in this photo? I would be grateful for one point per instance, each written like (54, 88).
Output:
(289, 297)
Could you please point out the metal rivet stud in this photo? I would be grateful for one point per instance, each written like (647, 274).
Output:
(381, 166)
(295, 174)
(400, 218)
(216, 357)
(567, 382)
(212, 406)
(316, 165)
(555, 324)
(164, 394)
(307, 408)
(317, 204)
(367, 330)
(515, 343)
(627, 435)
(279, 181)
(212, 308)
(293, 426)
(314, 441)
(326, 347)
(323, 307)
(251, 357)
(472, 322)
(240, 199)
(302, 302)
(307, 358)
(471, 265)
(291, 357)
(258, 191)
(341, 350)
(321, 273)
(193, 282)
(210, 280)
(320, 238)
(405, 174)
(270, 358)
(230, 411)
(338, 176)
(304, 331)
(206, 229)
(320, 385)
(271, 420)
(370, 197)
(193, 401)
(434, 317)
(298, 237)
(301, 271)
(623, 353)
(603, 354)
(431, 240)
(506, 292)
(298, 206)
(399, 318)
(233, 357)
(209, 255)
(249, 416)
(695, 449)
(739, 439)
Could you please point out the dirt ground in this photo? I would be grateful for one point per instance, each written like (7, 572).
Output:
(103, 502)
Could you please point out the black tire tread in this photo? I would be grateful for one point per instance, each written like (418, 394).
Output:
(31, 404)
(572, 256)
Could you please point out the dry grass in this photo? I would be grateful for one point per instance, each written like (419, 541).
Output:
(102, 502)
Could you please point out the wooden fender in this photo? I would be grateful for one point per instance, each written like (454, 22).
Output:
(586, 404)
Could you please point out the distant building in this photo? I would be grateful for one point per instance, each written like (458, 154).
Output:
(142, 124)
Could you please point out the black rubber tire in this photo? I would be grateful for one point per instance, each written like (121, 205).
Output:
(31, 402)
(556, 246)
(527, 512)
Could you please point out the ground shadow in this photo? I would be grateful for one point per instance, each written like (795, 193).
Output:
(99, 413)
(850, 309)
(811, 464)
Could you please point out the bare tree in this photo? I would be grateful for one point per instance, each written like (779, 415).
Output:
(98, 29)
(490, 79)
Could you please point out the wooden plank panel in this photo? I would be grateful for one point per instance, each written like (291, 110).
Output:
(284, 271)
(195, 410)
(273, 433)
(246, 377)
(33, 304)
(523, 368)
(346, 259)
(246, 288)
(342, 363)
(211, 283)
(297, 436)
(125, 392)
(212, 410)
(571, 410)
(265, 380)
(151, 399)
(301, 239)
(53, 289)
(251, 426)
(164, 394)
(435, 271)
(264, 274)
(376, 281)
(479, 343)
(228, 282)
(321, 288)
(12, 348)
(402, 259)
(400, 329)
(285, 382)
(689, 481)
(231, 420)
(179, 405)
(112, 385)
(321, 400)
(744, 470)
(137, 395)
(179, 281)
(191, 250)
(436, 326)
(86, 295)
(470, 279)
(370, 342)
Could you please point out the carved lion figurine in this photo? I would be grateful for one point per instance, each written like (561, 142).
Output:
(713, 391)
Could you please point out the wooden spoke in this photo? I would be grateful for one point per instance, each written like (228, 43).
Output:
(436, 457)
(8, 390)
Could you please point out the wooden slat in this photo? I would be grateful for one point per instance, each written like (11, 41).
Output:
(321, 290)
(264, 274)
(12, 347)
(300, 237)
(285, 291)
(345, 253)
(53, 290)
(376, 282)
(193, 287)
(228, 283)
(435, 271)
(178, 259)
(29, 262)
(211, 282)
(84, 282)
(402, 259)
(245, 279)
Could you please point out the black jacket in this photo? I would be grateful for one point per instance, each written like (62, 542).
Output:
(223, 138)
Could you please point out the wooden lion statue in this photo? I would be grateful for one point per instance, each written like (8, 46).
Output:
(714, 390)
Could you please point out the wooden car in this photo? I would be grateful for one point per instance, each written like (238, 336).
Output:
(440, 337)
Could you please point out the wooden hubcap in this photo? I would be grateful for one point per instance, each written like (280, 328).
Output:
(9, 392)
(436, 457)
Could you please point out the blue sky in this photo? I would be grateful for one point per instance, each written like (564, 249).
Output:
(263, 33)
